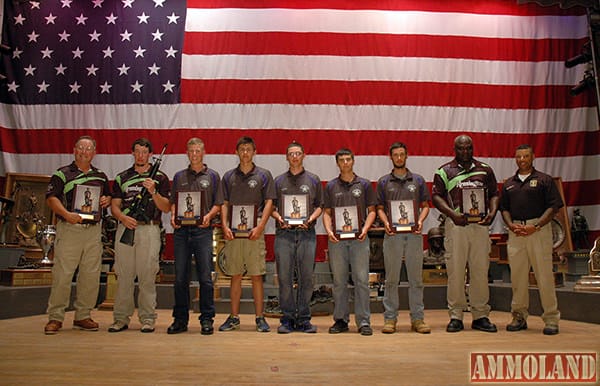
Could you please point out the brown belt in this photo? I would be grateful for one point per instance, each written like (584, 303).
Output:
(151, 222)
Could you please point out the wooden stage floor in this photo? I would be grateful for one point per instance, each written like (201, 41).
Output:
(246, 357)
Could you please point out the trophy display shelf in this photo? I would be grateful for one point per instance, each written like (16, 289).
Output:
(20, 267)
(435, 274)
(591, 282)
(20, 277)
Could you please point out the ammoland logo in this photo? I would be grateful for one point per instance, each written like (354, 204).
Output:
(541, 367)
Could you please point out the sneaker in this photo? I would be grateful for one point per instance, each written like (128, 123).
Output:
(365, 330)
(85, 324)
(118, 326)
(338, 327)
(550, 329)
(206, 327)
(518, 323)
(52, 327)
(306, 327)
(262, 325)
(231, 323)
(285, 327)
(389, 326)
(420, 326)
(147, 327)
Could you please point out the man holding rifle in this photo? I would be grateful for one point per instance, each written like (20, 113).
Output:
(141, 193)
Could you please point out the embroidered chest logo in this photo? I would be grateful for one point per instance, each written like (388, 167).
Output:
(304, 188)
(411, 188)
(356, 192)
(252, 184)
(204, 184)
(533, 183)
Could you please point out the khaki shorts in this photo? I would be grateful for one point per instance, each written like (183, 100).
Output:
(243, 256)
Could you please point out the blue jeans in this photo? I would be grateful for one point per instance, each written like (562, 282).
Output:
(342, 256)
(198, 242)
(409, 246)
(295, 249)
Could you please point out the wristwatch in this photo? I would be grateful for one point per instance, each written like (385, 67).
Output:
(537, 227)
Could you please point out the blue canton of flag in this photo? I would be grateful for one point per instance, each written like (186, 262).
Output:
(92, 51)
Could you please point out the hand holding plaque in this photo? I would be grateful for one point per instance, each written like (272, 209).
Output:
(474, 204)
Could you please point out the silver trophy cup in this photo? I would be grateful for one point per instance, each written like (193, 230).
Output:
(45, 237)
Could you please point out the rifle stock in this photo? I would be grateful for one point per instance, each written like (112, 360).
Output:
(140, 202)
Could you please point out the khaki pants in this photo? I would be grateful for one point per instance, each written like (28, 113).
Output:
(467, 245)
(76, 246)
(533, 251)
(139, 260)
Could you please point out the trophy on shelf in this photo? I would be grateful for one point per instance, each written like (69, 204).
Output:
(45, 237)
(591, 282)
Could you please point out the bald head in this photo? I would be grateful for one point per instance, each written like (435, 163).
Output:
(463, 150)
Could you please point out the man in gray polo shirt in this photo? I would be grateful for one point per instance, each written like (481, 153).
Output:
(249, 186)
(349, 193)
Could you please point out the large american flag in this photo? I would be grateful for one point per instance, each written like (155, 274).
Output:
(330, 73)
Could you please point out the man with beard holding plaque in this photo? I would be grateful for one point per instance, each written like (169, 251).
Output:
(402, 184)
(466, 242)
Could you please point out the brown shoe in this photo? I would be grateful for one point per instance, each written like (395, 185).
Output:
(85, 324)
(420, 326)
(52, 327)
(389, 326)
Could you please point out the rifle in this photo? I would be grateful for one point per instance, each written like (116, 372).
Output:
(137, 210)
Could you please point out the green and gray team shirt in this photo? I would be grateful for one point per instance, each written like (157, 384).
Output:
(63, 181)
(451, 178)
(129, 183)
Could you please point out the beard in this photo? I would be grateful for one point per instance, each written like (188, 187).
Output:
(399, 165)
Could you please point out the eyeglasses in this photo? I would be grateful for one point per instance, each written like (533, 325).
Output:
(85, 148)
(295, 154)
